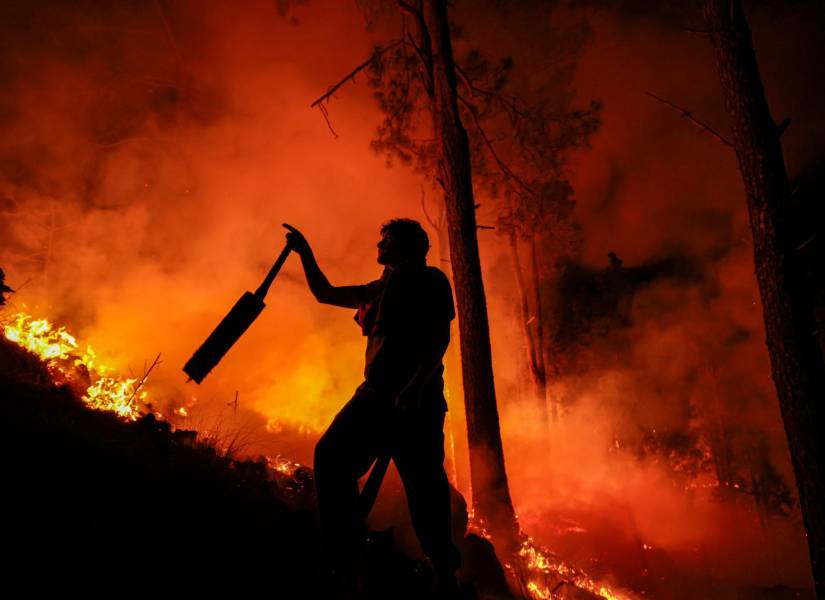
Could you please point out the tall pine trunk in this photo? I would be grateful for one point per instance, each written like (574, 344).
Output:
(452, 369)
(490, 491)
(796, 361)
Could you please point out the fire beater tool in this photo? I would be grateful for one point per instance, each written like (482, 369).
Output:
(233, 326)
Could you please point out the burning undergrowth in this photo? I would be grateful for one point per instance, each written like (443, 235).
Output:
(667, 465)
(676, 362)
(78, 368)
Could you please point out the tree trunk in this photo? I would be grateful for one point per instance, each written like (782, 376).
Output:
(540, 363)
(796, 361)
(490, 492)
(537, 375)
(452, 369)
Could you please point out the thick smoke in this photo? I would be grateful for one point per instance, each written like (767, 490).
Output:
(661, 370)
(150, 154)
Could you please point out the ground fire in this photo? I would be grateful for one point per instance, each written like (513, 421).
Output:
(70, 364)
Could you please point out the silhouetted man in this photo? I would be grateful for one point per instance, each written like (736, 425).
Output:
(400, 407)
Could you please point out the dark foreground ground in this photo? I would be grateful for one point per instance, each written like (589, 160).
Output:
(103, 507)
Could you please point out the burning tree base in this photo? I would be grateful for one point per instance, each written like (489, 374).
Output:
(537, 573)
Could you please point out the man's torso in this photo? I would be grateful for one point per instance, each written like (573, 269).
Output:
(403, 315)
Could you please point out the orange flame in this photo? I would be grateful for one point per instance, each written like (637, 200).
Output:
(542, 565)
(122, 396)
(542, 574)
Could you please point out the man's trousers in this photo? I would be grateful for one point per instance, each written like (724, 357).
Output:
(369, 425)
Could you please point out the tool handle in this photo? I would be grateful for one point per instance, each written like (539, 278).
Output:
(263, 289)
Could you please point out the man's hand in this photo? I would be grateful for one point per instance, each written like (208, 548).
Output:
(296, 240)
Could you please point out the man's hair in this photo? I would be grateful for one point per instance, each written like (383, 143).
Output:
(410, 235)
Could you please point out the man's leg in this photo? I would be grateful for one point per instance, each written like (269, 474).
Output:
(342, 455)
(419, 458)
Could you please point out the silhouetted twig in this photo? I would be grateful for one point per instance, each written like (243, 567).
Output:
(143, 379)
(351, 75)
(689, 115)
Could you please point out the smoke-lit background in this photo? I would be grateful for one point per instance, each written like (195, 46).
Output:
(150, 151)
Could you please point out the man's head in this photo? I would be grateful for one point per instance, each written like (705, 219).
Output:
(402, 240)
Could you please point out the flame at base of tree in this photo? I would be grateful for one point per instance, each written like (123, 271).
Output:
(541, 575)
(547, 575)
(68, 364)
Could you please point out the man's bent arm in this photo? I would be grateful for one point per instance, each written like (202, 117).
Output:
(346, 296)
(319, 285)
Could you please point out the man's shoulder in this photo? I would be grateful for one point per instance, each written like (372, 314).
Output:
(437, 276)
(421, 293)
(417, 273)
(420, 282)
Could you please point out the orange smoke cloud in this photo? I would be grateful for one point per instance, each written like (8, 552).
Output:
(148, 157)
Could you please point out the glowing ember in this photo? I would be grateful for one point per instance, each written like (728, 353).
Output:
(56, 345)
(282, 465)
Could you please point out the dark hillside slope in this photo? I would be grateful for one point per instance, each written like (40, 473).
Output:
(96, 498)
(96, 504)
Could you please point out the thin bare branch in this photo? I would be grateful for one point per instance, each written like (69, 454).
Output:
(168, 29)
(418, 52)
(511, 176)
(806, 243)
(475, 89)
(411, 10)
(465, 79)
(430, 220)
(696, 31)
(689, 115)
(351, 75)
(325, 114)
(422, 49)
(143, 379)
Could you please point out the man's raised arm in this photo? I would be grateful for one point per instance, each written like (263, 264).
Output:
(324, 292)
